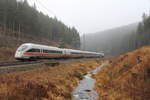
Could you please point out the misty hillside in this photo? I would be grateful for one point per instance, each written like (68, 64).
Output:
(122, 29)
(110, 41)
(18, 18)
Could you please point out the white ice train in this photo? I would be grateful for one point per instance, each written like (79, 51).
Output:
(29, 51)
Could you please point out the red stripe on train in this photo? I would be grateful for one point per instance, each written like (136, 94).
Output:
(40, 54)
(49, 54)
(55, 54)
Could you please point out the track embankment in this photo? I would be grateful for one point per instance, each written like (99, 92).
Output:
(45, 83)
(15, 66)
(126, 77)
(17, 63)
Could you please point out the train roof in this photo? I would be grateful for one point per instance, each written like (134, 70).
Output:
(80, 51)
(41, 46)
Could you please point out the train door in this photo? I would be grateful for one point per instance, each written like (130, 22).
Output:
(64, 52)
(67, 52)
(41, 53)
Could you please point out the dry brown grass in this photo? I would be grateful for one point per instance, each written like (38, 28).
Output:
(47, 83)
(126, 77)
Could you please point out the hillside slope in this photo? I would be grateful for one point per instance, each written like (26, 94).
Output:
(127, 77)
(113, 41)
(19, 16)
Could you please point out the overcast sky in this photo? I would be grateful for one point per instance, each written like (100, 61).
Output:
(90, 16)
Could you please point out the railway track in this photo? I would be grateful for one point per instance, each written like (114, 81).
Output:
(51, 62)
(16, 63)
(15, 66)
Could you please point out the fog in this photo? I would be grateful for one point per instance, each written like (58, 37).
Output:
(112, 42)
(90, 16)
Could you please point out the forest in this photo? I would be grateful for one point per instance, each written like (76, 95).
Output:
(21, 17)
(143, 32)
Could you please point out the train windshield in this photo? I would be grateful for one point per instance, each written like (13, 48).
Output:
(22, 48)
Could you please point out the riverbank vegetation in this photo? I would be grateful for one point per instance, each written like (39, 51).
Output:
(126, 77)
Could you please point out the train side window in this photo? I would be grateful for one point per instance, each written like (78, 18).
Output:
(34, 50)
(31, 50)
(45, 51)
(57, 52)
(75, 53)
(52, 51)
(37, 50)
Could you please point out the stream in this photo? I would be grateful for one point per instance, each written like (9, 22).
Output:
(85, 89)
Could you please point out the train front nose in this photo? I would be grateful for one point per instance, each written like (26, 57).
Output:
(18, 54)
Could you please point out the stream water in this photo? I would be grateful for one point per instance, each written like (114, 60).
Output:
(85, 90)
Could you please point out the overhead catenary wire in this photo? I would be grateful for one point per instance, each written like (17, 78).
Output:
(47, 9)
(38, 2)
